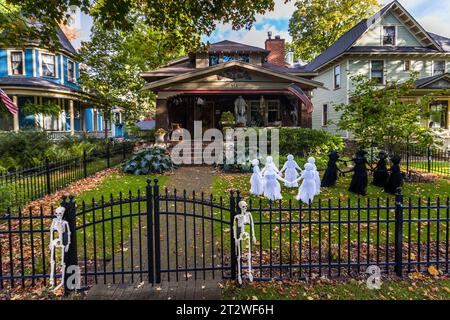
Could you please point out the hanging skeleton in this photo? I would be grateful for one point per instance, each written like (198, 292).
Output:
(240, 235)
(62, 242)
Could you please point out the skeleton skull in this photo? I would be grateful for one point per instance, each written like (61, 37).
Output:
(59, 212)
(243, 206)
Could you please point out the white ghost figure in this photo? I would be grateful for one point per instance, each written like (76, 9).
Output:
(270, 164)
(312, 161)
(291, 173)
(307, 190)
(256, 180)
(272, 188)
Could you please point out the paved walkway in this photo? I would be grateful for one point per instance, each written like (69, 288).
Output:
(198, 179)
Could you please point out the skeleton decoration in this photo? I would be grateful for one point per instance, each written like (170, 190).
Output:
(61, 242)
(240, 235)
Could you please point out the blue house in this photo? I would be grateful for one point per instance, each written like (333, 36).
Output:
(35, 75)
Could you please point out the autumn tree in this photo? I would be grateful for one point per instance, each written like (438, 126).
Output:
(114, 61)
(383, 116)
(182, 22)
(316, 24)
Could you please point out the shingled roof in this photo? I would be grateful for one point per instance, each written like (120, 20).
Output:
(345, 42)
(231, 46)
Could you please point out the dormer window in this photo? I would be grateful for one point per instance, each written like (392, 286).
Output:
(48, 65)
(16, 63)
(70, 71)
(389, 36)
(214, 59)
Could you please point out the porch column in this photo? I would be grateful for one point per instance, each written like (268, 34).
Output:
(72, 118)
(16, 116)
(162, 114)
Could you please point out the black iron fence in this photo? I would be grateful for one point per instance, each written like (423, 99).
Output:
(430, 160)
(159, 236)
(27, 184)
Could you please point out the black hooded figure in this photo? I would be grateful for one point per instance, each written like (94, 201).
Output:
(381, 172)
(360, 179)
(331, 172)
(395, 180)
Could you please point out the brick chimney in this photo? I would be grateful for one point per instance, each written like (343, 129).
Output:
(276, 48)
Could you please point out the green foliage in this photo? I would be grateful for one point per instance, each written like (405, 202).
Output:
(147, 161)
(46, 109)
(24, 149)
(181, 22)
(316, 24)
(116, 59)
(227, 119)
(302, 142)
(382, 116)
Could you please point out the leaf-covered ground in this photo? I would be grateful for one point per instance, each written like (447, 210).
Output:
(416, 287)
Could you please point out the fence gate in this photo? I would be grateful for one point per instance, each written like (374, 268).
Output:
(193, 234)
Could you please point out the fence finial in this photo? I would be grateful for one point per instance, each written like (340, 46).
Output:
(156, 182)
(149, 181)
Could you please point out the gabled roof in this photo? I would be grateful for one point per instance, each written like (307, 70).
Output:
(442, 41)
(425, 82)
(198, 73)
(347, 40)
(231, 46)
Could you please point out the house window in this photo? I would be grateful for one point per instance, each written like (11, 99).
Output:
(389, 36)
(273, 108)
(377, 71)
(228, 58)
(213, 59)
(438, 115)
(243, 57)
(337, 77)
(17, 65)
(256, 113)
(407, 65)
(70, 71)
(325, 115)
(48, 65)
(438, 67)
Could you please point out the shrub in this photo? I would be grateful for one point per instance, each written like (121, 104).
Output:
(27, 148)
(307, 142)
(148, 160)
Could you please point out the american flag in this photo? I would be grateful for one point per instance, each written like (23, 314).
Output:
(298, 92)
(12, 108)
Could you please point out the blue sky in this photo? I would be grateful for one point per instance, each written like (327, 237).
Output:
(434, 15)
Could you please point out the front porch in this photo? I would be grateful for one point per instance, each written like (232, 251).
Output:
(74, 119)
(262, 109)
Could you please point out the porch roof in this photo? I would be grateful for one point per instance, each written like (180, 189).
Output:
(163, 83)
(425, 83)
(39, 87)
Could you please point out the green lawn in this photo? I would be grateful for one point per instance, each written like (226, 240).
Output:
(108, 234)
(417, 288)
(437, 167)
(366, 232)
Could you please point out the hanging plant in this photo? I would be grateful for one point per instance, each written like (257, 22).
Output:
(46, 109)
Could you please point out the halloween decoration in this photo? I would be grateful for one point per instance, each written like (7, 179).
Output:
(359, 181)
(62, 230)
(312, 161)
(291, 173)
(240, 235)
(307, 190)
(256, 180)
(395, 180)
(272, 188)
(381, 172)
(331, 173)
